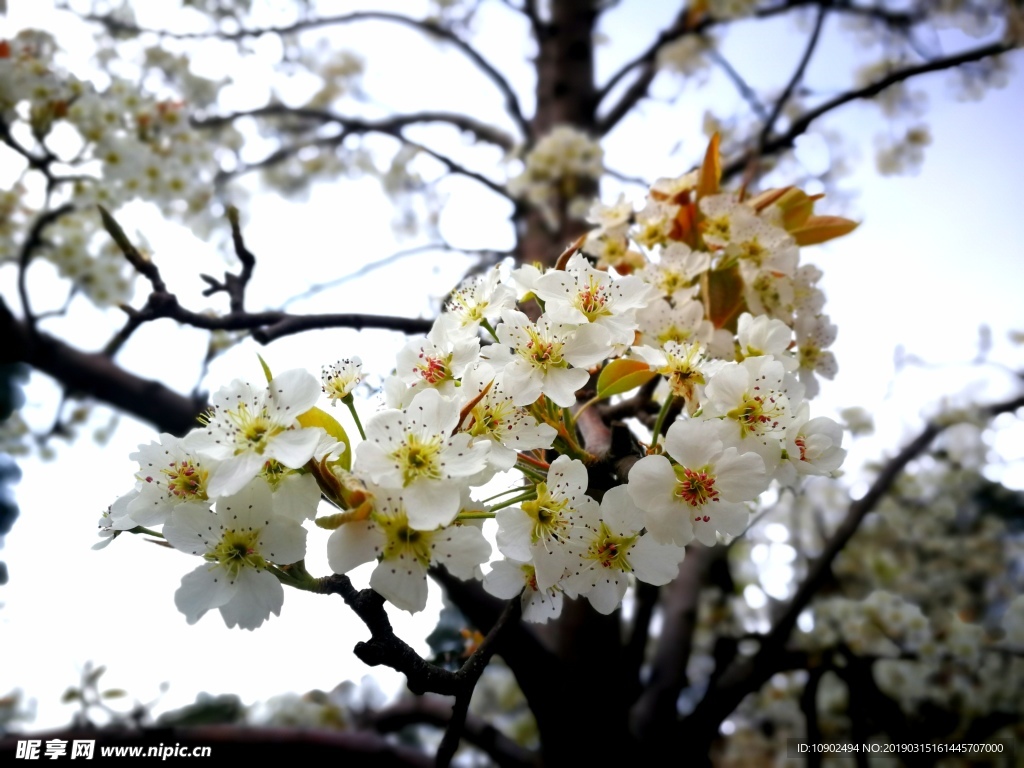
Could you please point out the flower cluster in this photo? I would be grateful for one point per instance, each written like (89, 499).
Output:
(122, 145)
(684, 311)
(561, 168)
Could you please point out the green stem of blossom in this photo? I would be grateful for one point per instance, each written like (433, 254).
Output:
(145, 531)
(475, 516)
(299, 578)
(518, 489)
(661, 419)
(512, 501)
(487, 327)
(347, 400)
(532, 472)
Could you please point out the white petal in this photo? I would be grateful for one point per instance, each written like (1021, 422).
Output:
(402, 583)
(201, 590)
(291, 394)
(353, 544)
(231, 475)
(655, 563)
(431, 503)
(193, 529)
(460, 549)
(259, 595)
(294, 447)
(506, 579)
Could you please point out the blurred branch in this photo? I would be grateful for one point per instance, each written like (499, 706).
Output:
(800, 125)
(655, 711)
(435, 711)
(797, 76)
(647, 63)
(95, 375)
(748, 674)
(33, 241)
(389, 125)
(430, 28)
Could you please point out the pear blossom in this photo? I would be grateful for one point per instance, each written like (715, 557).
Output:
(495, 418)
(581, 294)
(813, 334)
(340, 379)
(436, 360)
(238, 541)
(414, 451)
(700, 490)
(813, 446)
(248, 426)
(542, 355)
(613, 547)
(511, 578)
(541, 531)
(480, 298)
(169, 475)
(404, 551)
(675, 273)
(684, 366)
(661, 322)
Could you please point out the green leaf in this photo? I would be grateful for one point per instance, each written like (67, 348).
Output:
(315, 417)
(266, 368)
(621, 376)
(71, 694)
(114, 693)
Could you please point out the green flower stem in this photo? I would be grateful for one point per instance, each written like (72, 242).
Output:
(487, 327)
(301, 579)
(519, 489)
(146, 531)
(475, 516)
(661, 419)
(347, 400)
(513, 501)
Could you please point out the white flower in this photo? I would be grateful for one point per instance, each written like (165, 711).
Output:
(813, 446)
(752, 397)
(169, 475)
(612, 548)
(541, 531)
(496, 419)
(581, 294)
(341, 378)
(675, 274)
(411, 451)
(405, 552)
(702, 491)
(436, 360)
(763, 335)
(542, 355)
(237, 541)
(478, 299)
(684, 366)
(661, 322)
(813, 334)
(510, 578)
(248, 426)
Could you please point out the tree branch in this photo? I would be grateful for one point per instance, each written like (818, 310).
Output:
(800, 125)
(648, 64)
(748, 674)
(435, 711)
(95, 375)
(430, 28)
(798, 74)
(389, 125)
